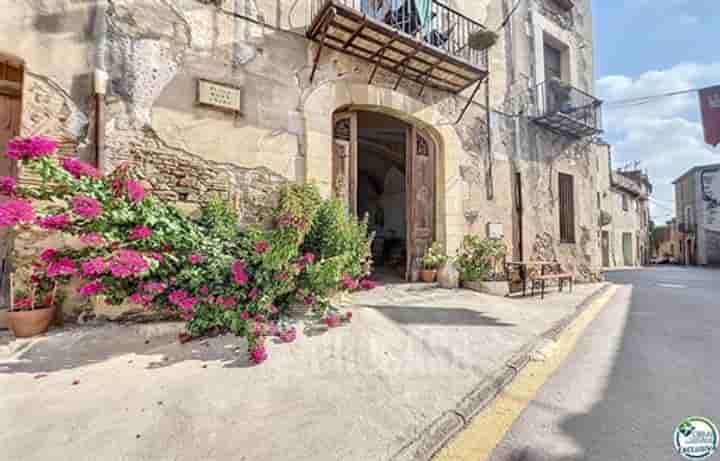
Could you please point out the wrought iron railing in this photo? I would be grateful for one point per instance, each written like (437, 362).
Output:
(443, 27)
(555, 97)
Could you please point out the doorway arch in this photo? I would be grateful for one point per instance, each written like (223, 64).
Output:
(322, 101)
(384, 168)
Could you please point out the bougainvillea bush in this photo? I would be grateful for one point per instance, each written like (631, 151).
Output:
(214, 275)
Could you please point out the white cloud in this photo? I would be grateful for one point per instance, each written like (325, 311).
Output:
(665, 135)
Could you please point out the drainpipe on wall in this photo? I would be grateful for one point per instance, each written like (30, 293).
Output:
(100, 83)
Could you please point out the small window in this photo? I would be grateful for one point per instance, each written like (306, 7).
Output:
(599, 201)
(567, 208)
(553, 62)
(625, 202)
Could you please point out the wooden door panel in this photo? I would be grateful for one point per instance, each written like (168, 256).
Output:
(421, 198)
(344, 159)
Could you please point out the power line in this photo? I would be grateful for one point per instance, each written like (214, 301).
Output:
(507, 18)
(629, 102)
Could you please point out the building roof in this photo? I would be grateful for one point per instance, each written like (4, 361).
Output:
(695, 169)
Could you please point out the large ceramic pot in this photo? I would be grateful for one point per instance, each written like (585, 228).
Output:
(30, 323)
(428, 275)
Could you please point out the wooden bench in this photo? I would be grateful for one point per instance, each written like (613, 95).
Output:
(540, 280)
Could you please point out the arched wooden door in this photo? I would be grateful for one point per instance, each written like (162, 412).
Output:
(344, 159)
(420, 178)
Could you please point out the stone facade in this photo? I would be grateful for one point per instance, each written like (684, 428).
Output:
(697, 202)
(155, 51)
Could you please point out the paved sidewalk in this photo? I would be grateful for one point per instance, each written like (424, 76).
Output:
(414, 362)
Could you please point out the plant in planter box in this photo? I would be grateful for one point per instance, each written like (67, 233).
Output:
(434, 258)
(478, 258)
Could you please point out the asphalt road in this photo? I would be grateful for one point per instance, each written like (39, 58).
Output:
(648, 361)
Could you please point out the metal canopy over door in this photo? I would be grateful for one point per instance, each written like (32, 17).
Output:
(420, 178)
(344, 159)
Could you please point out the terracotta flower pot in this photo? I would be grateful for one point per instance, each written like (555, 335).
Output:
(428, 275)
(30, 323)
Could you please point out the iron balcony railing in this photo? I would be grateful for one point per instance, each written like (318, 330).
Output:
(439, 26)
(566, 109)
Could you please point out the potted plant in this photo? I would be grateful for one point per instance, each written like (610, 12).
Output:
(31, 315)
(434, 257)
(479, 262)
(482, 39)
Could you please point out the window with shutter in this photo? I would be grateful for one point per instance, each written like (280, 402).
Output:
(567, 208)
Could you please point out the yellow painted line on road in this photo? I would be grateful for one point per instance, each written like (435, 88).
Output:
(477, 441)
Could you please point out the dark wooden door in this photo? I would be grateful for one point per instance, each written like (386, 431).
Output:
(344, 159)
(420, 178)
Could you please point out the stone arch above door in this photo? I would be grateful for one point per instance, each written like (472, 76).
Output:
(319, 107)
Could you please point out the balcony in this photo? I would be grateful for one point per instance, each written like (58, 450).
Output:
(566, 110)
(433, 52)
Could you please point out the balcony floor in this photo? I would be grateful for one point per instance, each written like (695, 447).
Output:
(566, 125)
(348, 30)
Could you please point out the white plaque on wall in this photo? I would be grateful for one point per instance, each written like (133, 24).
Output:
(220, 95)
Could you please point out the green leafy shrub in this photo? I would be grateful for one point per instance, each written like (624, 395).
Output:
(434, 257)
(478, 258)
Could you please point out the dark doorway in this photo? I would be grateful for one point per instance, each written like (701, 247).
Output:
(605, 243)
(381, 189)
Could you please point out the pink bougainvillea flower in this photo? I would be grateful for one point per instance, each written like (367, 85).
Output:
(258, 354)
(188, 303)
(228, 302)
(196, 259)
(140, 233)
(79, 168)
(92, 239)
(30, 148)
(333, 320)
(136, 192)
(182, 299)
(254, 292)
(154, 287)
(136, 298)
(289, 335)
(309, 258)
(48, 254)
(61, 267)
(54, 222)
(245, 315)
(240, 275)
(367, 284)
(203, 290)
(126, 263)
(7, 185)
(348, 316)
(157, 256)
(349, 283)
(261, 247)
(260, 318)
(309, 300)
(94, 266)
(92, 288)
(15, 212)
(87, 207)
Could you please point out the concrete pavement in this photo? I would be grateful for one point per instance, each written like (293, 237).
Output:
(646, 363)
(406, 373)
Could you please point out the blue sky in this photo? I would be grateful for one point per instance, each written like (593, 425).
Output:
(645, 47)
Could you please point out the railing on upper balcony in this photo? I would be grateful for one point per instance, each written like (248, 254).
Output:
(565, 108)
(443, 27)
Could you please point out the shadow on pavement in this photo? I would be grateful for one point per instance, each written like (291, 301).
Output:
(448, 316)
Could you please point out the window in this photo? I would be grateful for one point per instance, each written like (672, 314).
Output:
(625, 202)
(567, 208)
(553, 62)
(599, 201)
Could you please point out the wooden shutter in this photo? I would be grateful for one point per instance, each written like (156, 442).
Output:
(344, 159)
(567, 208)
(421, 196)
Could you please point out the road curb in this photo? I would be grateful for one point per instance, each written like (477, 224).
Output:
(452, 422)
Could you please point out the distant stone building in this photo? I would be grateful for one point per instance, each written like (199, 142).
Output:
(697, 208)
(625, 216)
(667, 240)
(375, 103)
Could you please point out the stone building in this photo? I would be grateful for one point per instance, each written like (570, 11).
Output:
(697, 210)
(235, 97)
(667, 242)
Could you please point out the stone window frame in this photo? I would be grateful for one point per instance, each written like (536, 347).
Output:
(547, 31)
